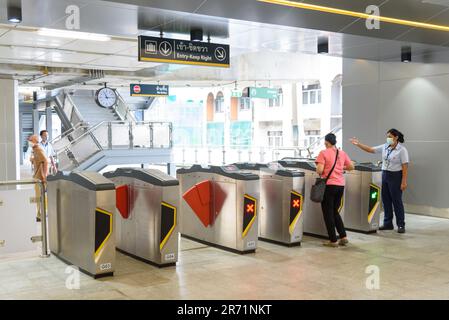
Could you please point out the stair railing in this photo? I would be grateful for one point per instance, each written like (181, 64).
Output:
(115, 135)
(123, 111)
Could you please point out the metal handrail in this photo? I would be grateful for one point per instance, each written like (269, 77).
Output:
(88, 132)
(125, 123)
(43, 206)
(320, 139)
(67, 132)
(128, 114)
(74, 108)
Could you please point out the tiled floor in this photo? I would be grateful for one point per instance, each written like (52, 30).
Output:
(411, 266)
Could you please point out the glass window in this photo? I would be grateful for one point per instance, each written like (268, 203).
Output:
(219, 103)
(312, 97)
(245, 104)
(319, 96)
(305, 97)
(275, 139)
(276, 102)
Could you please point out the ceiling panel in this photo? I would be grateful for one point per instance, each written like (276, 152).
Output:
(32, 39)
(414, 10)
(122, 61)
(132, 51)
(420, 36)
(3, 31)
(11, 52)
(252, 10)
(107, 47)
(68, 57)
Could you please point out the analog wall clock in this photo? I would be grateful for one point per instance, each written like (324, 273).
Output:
(106, 97)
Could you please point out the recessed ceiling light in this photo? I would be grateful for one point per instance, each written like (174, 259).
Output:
(323, 45)
(14, 13)
(196, 35)
(73, 34)
(406, 54)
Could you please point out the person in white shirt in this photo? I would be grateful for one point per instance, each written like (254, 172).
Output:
(48, 149)
(394, 176)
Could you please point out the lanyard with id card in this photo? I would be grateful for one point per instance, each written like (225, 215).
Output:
(387, 158)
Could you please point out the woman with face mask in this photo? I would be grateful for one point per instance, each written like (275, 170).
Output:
(395, 161)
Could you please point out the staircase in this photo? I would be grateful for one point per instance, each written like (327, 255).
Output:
(96, 137)
(90, 111)
(114, 143)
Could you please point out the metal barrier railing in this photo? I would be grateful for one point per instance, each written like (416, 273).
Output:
(311, 148)
(116, 135)
(188, 155)
(43, 207)
(122, 109)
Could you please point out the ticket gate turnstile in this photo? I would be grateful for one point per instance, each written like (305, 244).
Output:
(146, 217)
(220, 207)
(281, 202)
(313, 215)
(80, 216)
(363, 198)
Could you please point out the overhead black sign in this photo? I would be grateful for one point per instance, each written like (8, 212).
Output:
(184, 52)
(148, 90)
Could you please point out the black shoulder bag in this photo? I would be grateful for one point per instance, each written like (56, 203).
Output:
(318, 189)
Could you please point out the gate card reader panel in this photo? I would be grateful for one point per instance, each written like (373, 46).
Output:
(220, 206)
(150, 231)
(150, 176)
(281, 202)
(313, 220)
(80, 214)
(89, 180)
(363, 198)
(269, 168)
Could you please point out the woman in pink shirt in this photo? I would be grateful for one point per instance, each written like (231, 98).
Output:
(335, 187)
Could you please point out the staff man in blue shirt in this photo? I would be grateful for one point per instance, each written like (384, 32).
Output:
(394, 176)
(48, 149)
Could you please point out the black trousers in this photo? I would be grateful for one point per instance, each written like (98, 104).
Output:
(392, 198)
(330, 205)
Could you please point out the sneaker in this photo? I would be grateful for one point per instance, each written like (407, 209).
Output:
(343, 242)
(386, 228)
(401, 230)
(330, 244)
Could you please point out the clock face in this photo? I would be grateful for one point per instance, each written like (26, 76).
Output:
(106, 97)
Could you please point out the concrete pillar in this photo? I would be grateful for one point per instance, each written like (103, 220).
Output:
(35, 116)
(9, 130)
(49, 118)
(326, 99)
(287, 123)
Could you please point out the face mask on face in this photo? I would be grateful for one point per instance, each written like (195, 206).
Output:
(390, 141)
(30, 144)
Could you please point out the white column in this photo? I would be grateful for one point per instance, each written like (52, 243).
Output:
(9, 130)
(287, 122)
(326, 100)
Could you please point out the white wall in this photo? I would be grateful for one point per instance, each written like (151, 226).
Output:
(413, 98)
(9, 130)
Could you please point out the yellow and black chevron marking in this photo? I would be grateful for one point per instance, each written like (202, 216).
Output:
(103, 229)
(168, 222)
(249, 213)
(296, 201)
(374, 201)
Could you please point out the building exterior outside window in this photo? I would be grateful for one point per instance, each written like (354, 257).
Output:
(274, 139)
(278, 102)
(311, 94)
(219, 103)
(245, 104)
